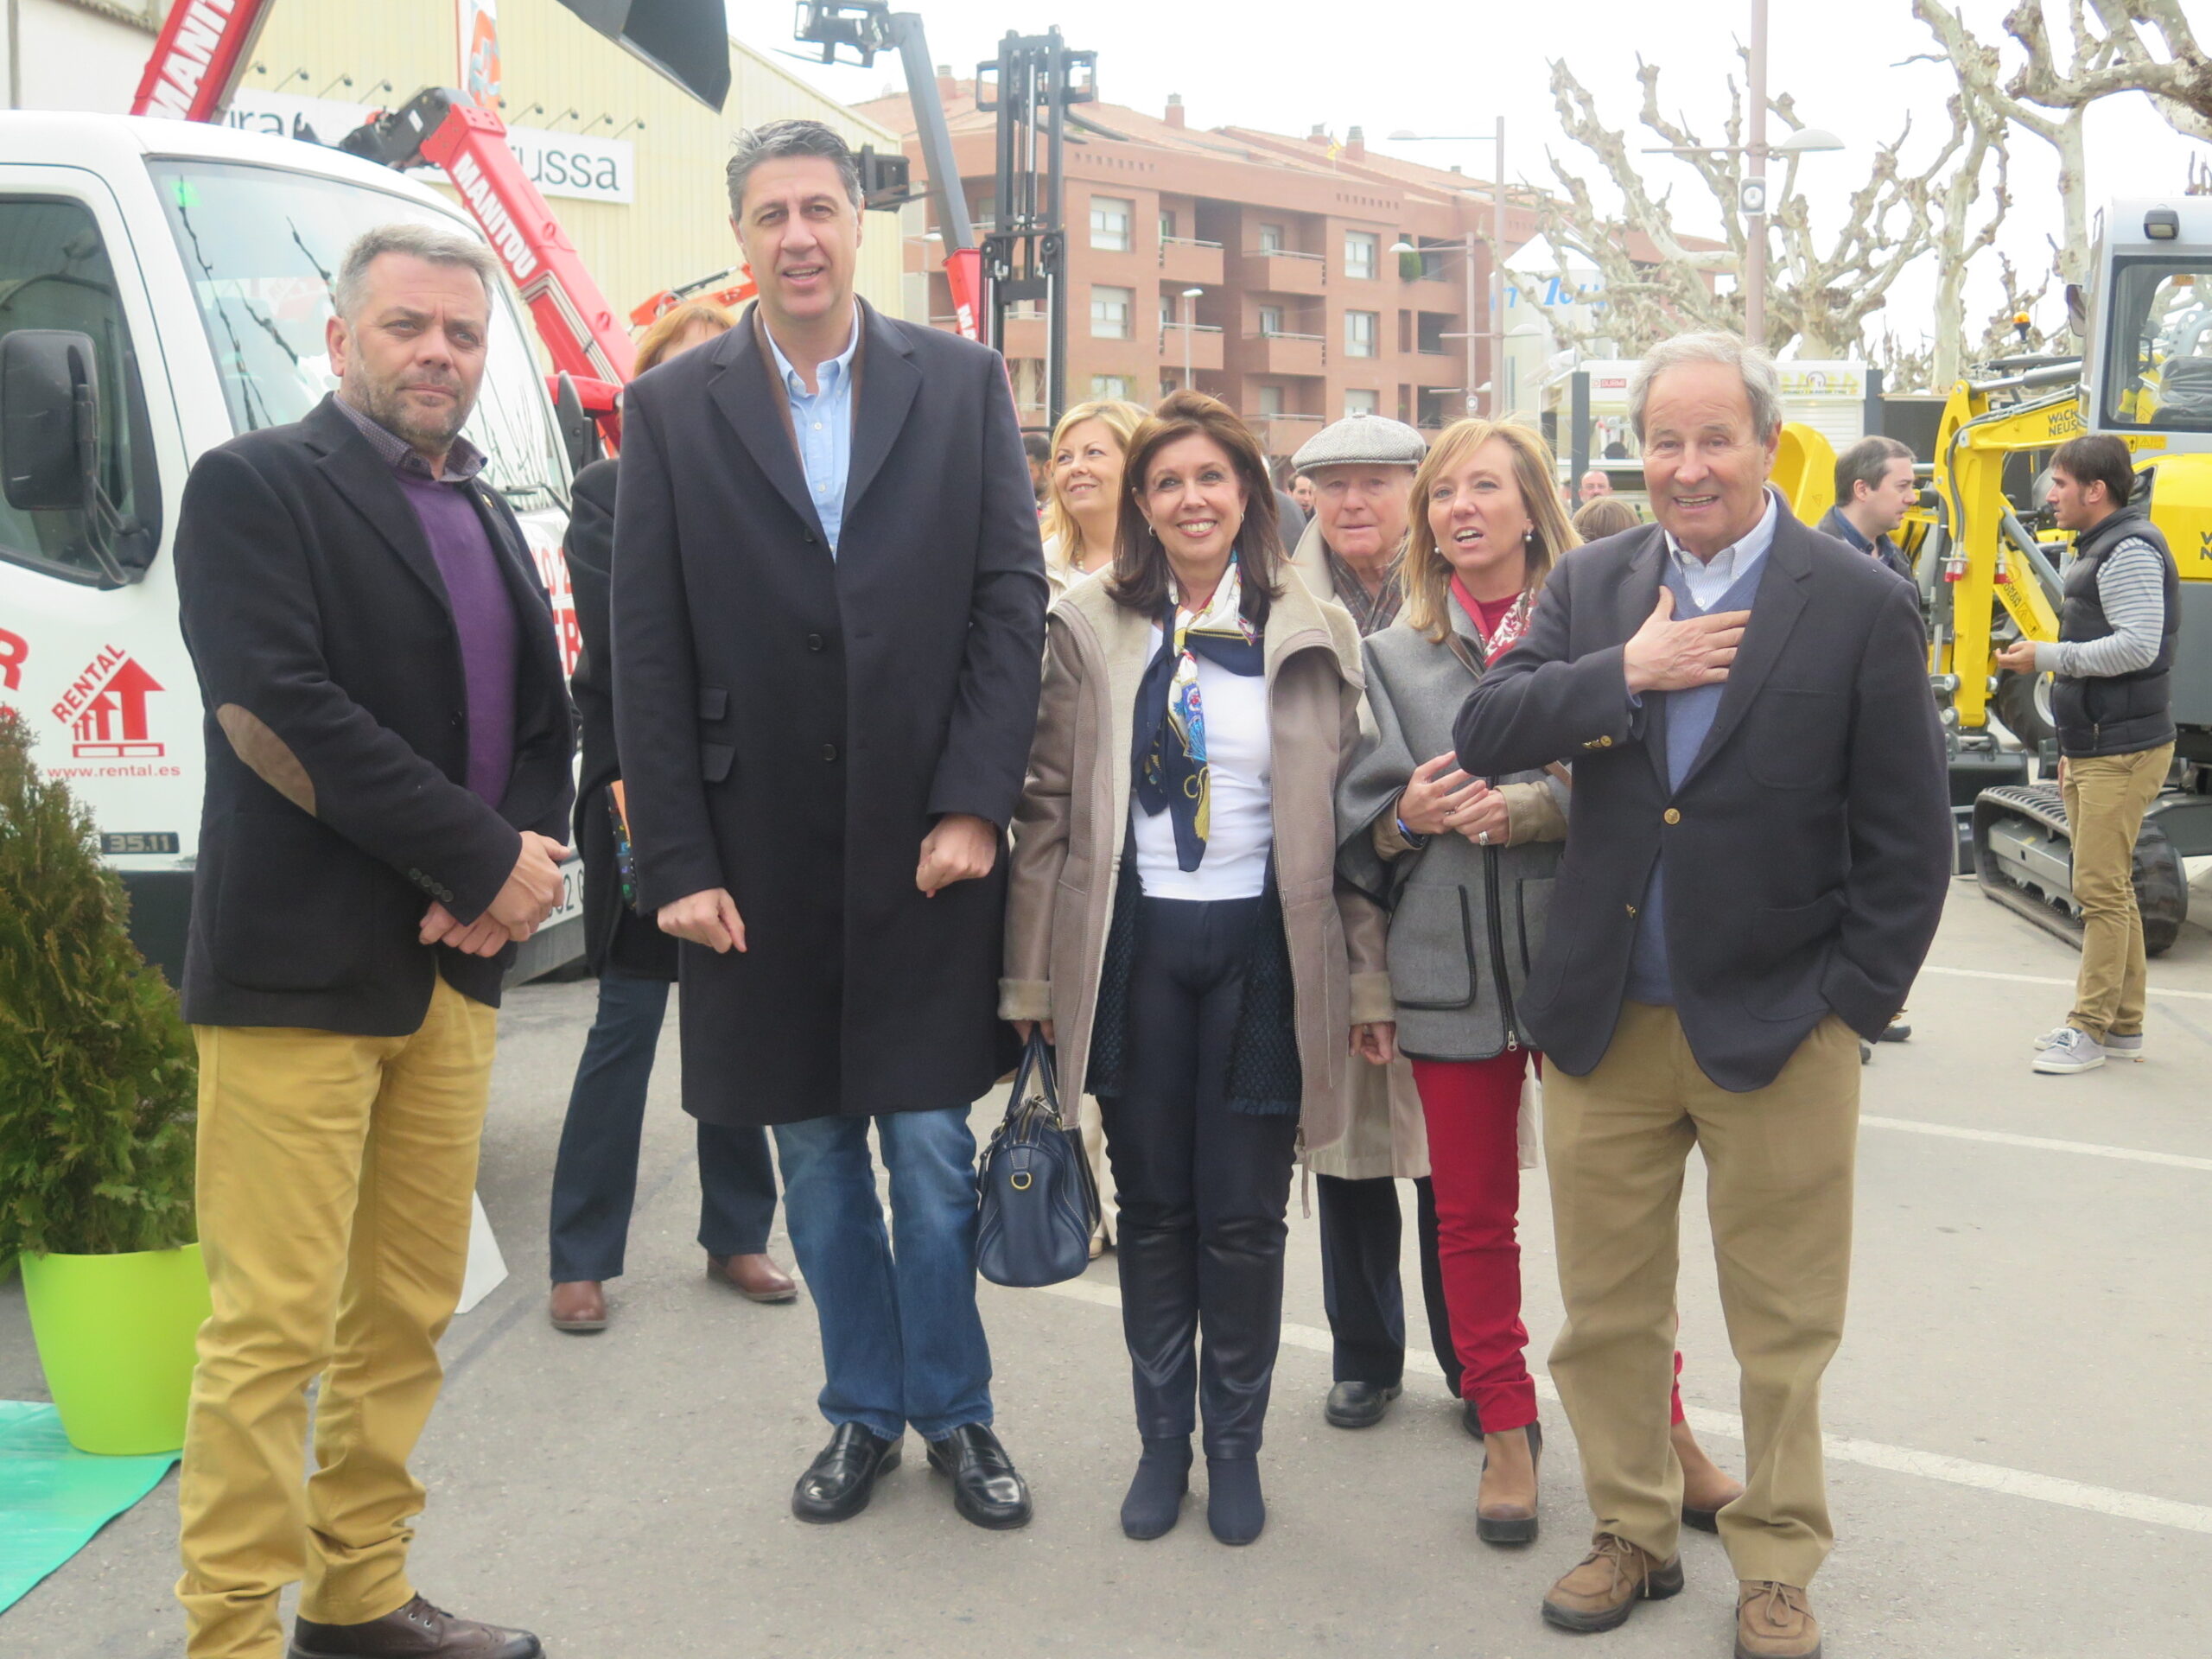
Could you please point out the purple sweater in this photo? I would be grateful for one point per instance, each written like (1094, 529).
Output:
(483, 615)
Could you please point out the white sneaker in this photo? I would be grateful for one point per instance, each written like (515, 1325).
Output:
(2116, 1047)
(2067, 1050)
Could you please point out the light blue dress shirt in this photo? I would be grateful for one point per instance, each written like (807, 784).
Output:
(1707, 579)
(822, 423)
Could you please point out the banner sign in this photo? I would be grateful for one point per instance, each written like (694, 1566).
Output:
(558, 164)
(479, 23)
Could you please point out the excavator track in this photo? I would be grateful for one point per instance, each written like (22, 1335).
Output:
(2024, 859)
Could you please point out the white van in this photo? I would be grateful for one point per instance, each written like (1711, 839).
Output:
(197, 260)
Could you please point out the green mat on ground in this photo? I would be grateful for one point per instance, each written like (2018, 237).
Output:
(53, 1498)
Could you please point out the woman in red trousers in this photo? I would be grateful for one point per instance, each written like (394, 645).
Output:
(1466, 865)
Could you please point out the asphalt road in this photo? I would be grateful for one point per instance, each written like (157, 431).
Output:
(2019, 1462)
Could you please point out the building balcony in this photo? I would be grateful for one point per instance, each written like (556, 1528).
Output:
(1185, 263)
(1281, 272)
(1281, 353)
(1284, 435)
(1205, 348)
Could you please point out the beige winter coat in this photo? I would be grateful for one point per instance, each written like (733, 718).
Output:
(1386, 1133)
(1073, 820)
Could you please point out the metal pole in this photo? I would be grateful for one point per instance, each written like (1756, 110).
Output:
(1468, 259)
(1755, 224)
(1579, 432)
(1190, 314)
(1498, 282)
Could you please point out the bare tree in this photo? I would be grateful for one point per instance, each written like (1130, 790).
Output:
(1980, 69)
(2178, 85)
(1978, 139)
(1822, 290)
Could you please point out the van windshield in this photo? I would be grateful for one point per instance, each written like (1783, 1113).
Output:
(260, 246)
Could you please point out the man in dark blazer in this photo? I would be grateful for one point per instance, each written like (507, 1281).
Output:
(829, 631)
(388, 744)
(1755, 867)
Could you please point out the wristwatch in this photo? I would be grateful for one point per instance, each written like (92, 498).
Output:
(1406, 836)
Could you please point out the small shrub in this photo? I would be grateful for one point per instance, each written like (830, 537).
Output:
(98, 1079)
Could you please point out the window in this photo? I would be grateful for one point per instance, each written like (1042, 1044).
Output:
(1168, 383)
(1270, 239)
(985, 213)
(2160, 374)
(1359, 333)
(1167, 224)
(256, 243)
(1110, 308)
(1270, 400)
(1111, 385)
(54, 274)
(1271, 320)
(1359, 401)
(1362, 252)
(1110, 219)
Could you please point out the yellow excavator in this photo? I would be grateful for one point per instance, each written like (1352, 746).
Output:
(1989, 558)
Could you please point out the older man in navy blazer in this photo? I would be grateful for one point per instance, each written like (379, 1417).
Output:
(1757, 861)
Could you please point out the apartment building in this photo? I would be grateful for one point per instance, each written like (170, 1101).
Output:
(1303, 312)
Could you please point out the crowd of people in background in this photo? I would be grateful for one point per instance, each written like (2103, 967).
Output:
(1332, 825)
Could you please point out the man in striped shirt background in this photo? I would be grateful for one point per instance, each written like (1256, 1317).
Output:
(2112, 664)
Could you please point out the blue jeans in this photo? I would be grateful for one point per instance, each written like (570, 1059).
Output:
(901, 1340)
(596, 1173)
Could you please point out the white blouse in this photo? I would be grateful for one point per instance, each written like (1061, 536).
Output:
(1240, 775)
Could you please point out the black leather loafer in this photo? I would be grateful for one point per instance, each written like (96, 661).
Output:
(1471, 1419)
(838, 1485)
(986, 1488)
(1360, 1405)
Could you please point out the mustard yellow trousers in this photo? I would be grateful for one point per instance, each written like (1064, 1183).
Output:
(334, 1183)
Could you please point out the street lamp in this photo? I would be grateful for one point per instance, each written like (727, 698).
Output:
(1497, 255)
(1190, 297)
(1751, 193)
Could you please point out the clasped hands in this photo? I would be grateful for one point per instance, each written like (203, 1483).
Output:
(532, 890)
(961, 847)
(1443, 800)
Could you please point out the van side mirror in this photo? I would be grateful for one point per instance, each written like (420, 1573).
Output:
(49, 420)
(50, 441)
(2077, 310)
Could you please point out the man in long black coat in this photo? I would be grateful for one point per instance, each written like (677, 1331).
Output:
(828, 627)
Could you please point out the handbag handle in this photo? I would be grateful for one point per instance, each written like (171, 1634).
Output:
(1037, 1057)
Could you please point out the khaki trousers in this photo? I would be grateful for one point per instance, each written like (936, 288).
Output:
(1778, 1174)
(334, 1182)
(2105, 797)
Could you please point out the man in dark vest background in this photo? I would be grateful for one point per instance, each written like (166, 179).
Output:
(2113, 662)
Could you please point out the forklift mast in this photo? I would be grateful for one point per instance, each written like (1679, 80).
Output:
(1031, 85)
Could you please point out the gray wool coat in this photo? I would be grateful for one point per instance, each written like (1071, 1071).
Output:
(1457, 910)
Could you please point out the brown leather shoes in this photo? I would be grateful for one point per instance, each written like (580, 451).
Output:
(417, 1630)
(1775, 1621)
(1601, 1592)
(579, 1305)
(756, 1278)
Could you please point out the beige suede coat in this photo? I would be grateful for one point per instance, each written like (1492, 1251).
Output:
(1073, 824)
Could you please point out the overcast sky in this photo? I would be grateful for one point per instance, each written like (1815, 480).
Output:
(1454, 66)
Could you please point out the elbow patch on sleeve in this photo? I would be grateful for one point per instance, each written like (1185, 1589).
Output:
(269, 756)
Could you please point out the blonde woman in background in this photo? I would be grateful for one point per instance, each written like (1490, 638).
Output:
(1082, 498)
(1082, 502)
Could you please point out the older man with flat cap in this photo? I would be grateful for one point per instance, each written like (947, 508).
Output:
(1361, 472)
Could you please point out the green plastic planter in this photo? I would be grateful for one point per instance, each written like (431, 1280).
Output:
(115, 1336)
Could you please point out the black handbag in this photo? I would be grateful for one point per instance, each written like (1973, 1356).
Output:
(1036, 1206)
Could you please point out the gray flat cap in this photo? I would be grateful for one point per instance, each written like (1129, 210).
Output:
(1362, 440)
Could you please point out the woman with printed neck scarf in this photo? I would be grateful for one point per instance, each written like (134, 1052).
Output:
(1176, 926)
